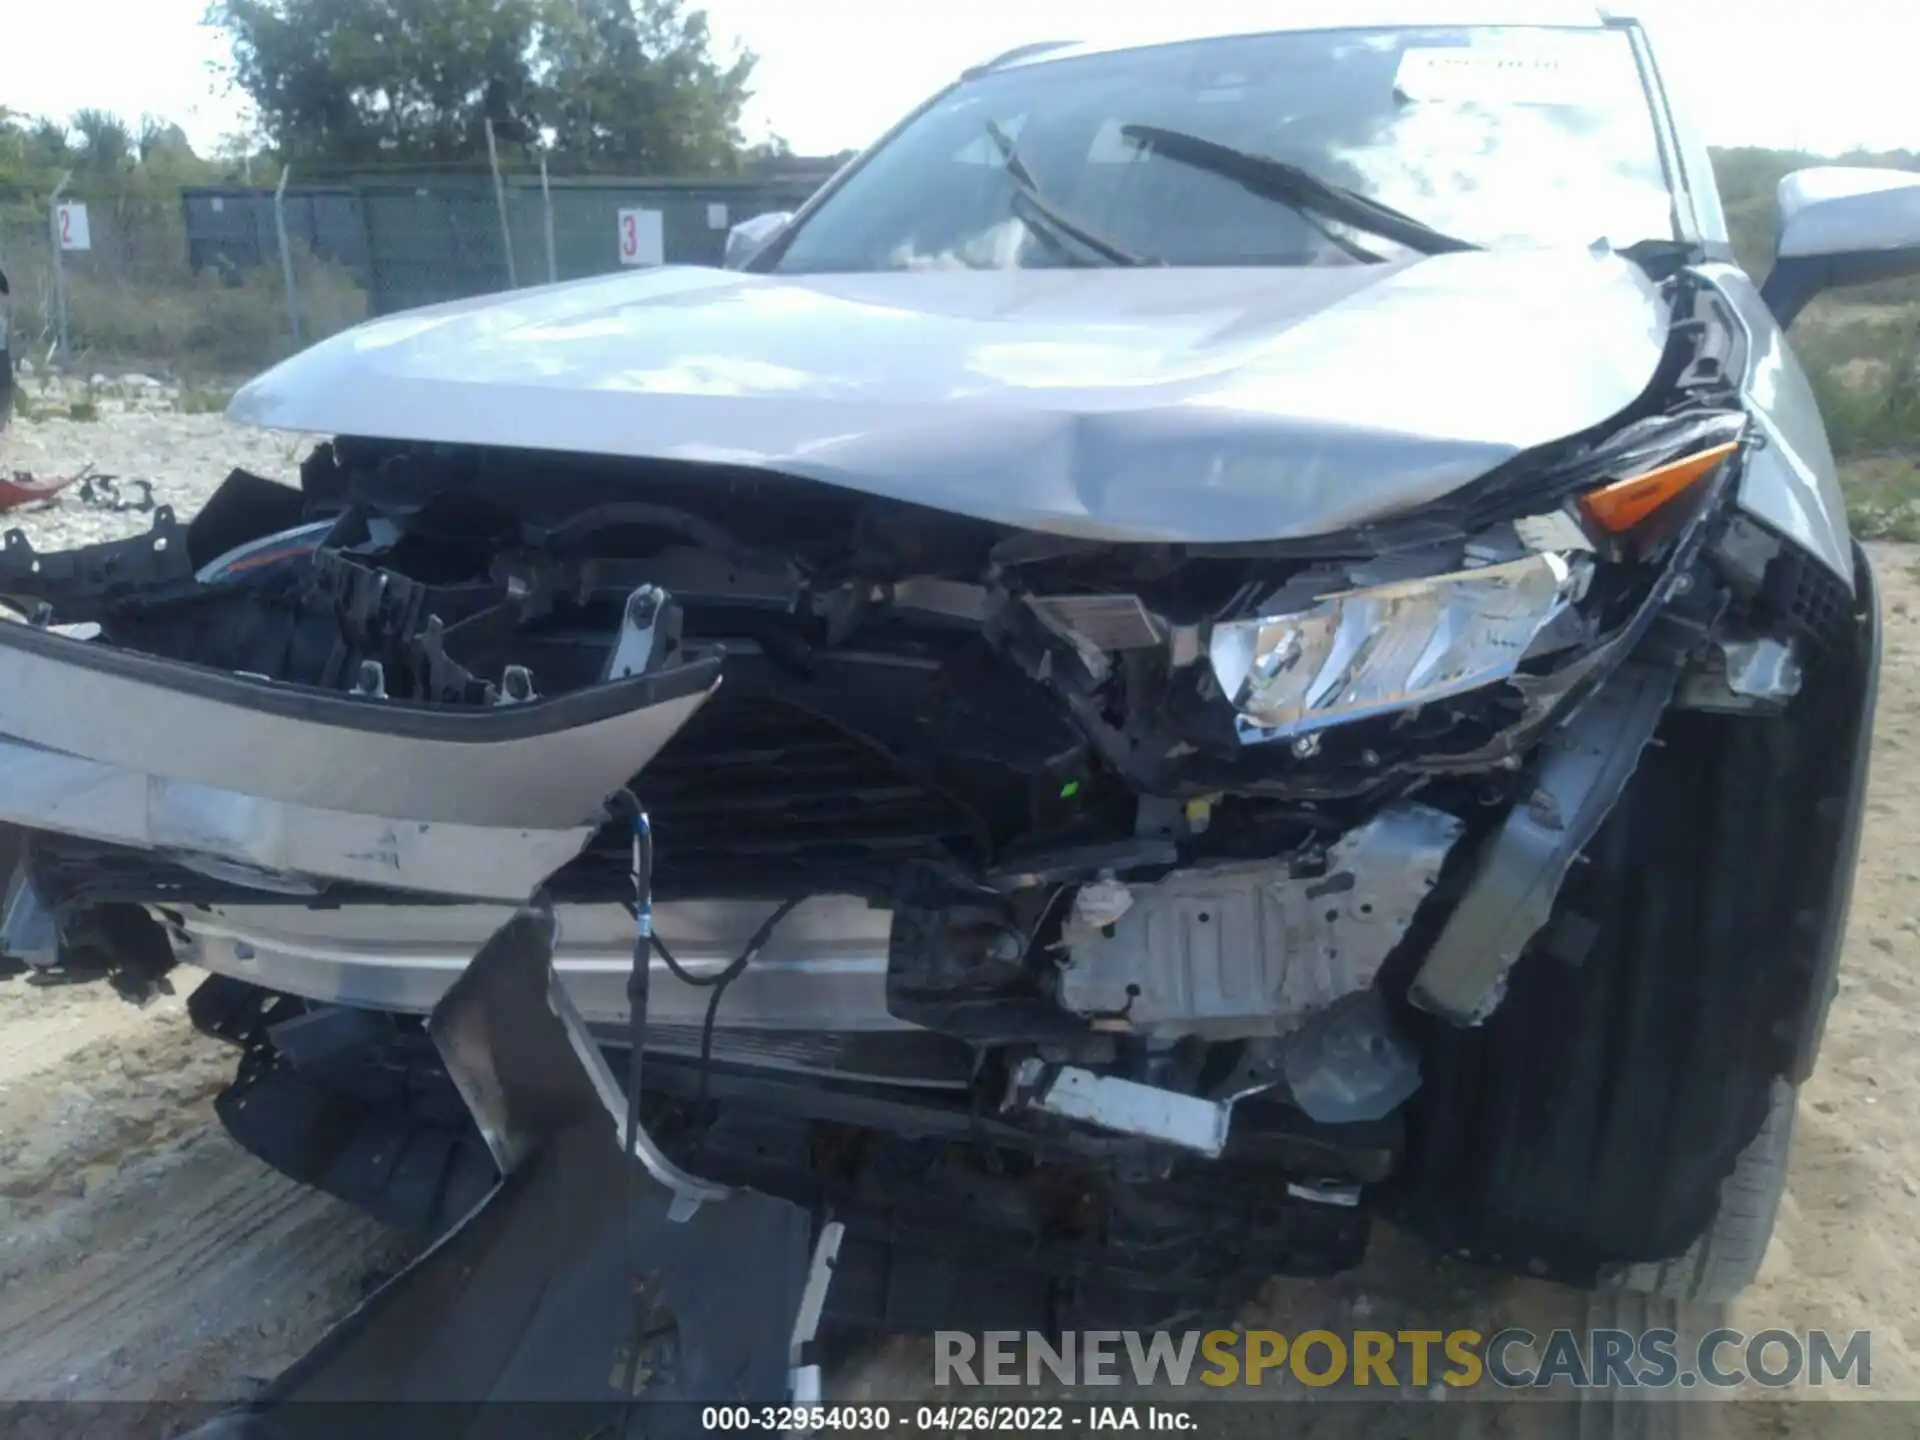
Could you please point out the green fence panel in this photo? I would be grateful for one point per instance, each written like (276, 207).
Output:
(439, 238)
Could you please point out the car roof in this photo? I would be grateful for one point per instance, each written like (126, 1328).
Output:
(1167, 26)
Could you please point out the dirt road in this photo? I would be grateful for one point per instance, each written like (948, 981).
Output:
(143, 1257)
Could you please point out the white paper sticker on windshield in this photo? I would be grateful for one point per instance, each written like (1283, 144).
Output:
(1526, 73)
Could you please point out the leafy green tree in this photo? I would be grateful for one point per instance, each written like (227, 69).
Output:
(362, 81)
(628, 83)
(637, 87)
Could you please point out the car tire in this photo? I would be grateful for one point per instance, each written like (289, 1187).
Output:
(1727, 1256)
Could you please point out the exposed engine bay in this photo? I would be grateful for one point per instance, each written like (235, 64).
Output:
(1129, 860)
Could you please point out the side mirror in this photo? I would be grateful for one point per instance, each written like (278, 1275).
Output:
(750, 237)
(1841, 225)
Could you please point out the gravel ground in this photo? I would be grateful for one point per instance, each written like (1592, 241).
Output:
(140, 433)
(143, 1257)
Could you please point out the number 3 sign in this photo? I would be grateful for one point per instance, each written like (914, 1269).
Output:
(642, 241)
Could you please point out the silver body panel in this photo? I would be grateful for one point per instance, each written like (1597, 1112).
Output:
(1845, 210)
(1179, 405)
(1790, 482)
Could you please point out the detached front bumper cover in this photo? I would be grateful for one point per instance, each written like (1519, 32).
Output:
(293, 783)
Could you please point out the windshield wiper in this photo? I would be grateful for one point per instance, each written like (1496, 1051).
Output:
(1028, 189)
(1300, 188)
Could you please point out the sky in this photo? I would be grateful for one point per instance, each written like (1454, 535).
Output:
(834, 74)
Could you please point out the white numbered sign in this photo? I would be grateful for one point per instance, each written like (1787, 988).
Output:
(642, 238)
(71, 218)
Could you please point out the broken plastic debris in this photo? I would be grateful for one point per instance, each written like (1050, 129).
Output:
(1102, 902)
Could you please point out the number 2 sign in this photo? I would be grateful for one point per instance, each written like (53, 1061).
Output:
(70, 220)
(642, 238)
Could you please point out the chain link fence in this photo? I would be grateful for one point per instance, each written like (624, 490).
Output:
(24, 250)
(121, 292)
(464, 235)
(224, 280)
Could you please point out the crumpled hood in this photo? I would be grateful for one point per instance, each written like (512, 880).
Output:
(1180, 405)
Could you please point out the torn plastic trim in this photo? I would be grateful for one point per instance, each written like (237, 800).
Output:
(157, 559)
(46, 790)
(804, 1378)
(521, 1058)
(544, 765)
(569, 1283)
(689, 1190)
(1585, 766)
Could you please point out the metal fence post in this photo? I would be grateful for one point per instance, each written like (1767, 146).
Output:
(500, 199)
(546, 211)
(286, 254)
(59, 264)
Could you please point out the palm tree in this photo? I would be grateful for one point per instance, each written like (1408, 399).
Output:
(107, 140)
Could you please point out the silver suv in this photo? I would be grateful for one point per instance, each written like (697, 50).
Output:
(1069, 689)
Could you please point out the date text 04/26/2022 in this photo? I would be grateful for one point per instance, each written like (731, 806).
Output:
(943, 1419)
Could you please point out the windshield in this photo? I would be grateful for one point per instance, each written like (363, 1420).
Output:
(1500, 136)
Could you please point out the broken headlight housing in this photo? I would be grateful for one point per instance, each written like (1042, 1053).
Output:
(1366, 652)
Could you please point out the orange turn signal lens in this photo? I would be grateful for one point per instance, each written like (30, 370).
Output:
(1620, 505)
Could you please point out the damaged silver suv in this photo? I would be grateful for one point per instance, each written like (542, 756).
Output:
(1224, 634)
